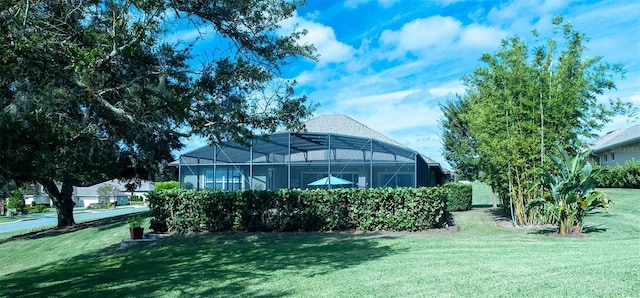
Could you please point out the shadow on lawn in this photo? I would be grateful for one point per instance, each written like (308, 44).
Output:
(210, 265)
(101, 224)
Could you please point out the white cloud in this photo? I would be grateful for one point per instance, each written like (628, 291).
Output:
(192, 143)
(480, 36)
(421, 34)
(307, 77)
(390, 118)
(438, 35)
(525, 10)
(380, 98)
(322, 37)
(356, 3)
(390, 112)
(426, 142)
(448, 88)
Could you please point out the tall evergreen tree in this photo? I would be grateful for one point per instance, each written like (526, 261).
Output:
(458, 143)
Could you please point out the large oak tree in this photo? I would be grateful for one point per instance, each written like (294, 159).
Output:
(91, 90)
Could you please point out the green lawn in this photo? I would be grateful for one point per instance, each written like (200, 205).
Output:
(482, 259)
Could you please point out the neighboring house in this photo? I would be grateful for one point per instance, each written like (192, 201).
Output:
(618, 146)
(83, 196)
(333, 146)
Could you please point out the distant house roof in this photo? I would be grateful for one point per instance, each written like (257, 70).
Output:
(92, 190)
(616, 138)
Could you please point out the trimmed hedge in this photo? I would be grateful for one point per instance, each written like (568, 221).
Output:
(166, 185)
(400, 209)
(459, 196)
(625, 176)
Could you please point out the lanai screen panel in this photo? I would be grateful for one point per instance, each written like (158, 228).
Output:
(292, 160)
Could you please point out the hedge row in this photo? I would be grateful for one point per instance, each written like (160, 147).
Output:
(459, 196)
(400, 209)
(625, 176)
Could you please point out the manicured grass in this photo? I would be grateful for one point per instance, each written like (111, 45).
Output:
(482, 259)
(482, 196)
(5, 219)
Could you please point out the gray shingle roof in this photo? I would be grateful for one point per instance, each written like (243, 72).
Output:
(341, 126)
(345, 125)
(618, 137)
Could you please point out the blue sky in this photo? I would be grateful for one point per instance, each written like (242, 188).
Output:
(390, 63)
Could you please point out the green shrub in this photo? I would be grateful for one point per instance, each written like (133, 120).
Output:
(625, 176)
(16, 201)
(135, 221)
(166, 185)
(97, 206)
(38, 208)
(401, 209)
(158, 201)
(459, 196)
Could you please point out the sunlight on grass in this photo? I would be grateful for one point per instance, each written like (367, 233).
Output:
(482, 259)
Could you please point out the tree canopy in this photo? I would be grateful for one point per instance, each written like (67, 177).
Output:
(457, 141)
(93, 90)
(522, 99)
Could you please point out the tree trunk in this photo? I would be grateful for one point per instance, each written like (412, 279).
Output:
(63, 201)
(495, 200)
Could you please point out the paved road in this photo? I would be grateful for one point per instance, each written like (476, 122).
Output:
(51, 220)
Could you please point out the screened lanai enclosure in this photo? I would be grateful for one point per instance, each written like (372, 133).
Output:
(306, 160)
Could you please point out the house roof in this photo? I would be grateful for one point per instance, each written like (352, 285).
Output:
(346, 133)
(345, 125)
(616, 138)
(92, 190)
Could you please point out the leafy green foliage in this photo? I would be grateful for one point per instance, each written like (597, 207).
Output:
(458, 143)
(97, 206)
(624, 176)
(90, 91)
(570, 194)
(16, 201)
(401, 209)
(107, 191)
(459, 196)
(158, 186)
(135, 221)
(37, 208)
(521, 99)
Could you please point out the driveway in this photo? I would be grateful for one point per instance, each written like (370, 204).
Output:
(51, 220)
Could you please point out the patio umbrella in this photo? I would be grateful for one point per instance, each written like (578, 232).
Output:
(330, 181)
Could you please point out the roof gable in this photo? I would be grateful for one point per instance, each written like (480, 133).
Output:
(145, 186)
(345, 125)
(618, 137)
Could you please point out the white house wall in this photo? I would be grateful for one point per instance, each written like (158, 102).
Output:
(620, 155)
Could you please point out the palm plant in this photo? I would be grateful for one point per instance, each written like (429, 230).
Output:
(569, 193)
